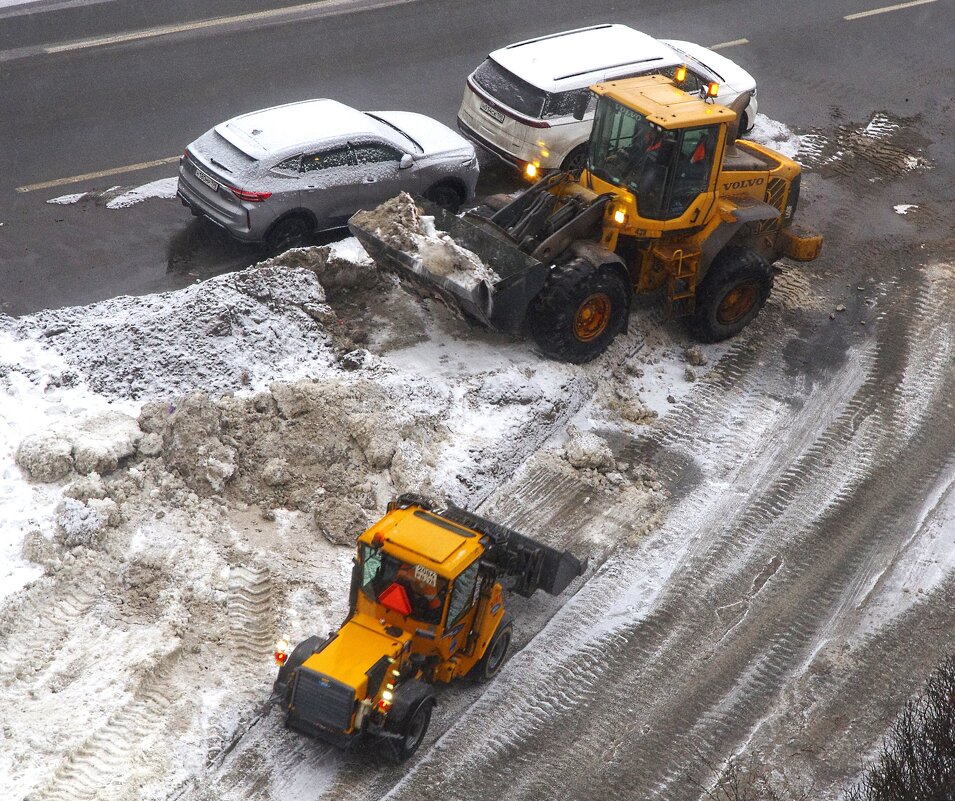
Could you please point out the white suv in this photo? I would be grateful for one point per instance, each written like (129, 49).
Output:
(519, 103)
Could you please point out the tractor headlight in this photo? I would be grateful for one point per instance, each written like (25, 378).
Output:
(530, 169)
(281, 652)
(619, 216)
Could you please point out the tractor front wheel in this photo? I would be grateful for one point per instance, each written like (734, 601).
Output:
(413, 731)
(579, 311)
(732, 293)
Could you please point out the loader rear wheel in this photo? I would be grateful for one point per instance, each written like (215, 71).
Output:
(495, 655)
(579, 311)
(732, 293)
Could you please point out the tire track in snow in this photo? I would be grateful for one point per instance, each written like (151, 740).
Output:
(711, 702)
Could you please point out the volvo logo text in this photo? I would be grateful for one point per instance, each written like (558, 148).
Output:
(744, 184)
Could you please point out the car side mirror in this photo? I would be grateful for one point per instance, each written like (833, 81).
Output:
(406, 161)
(580, 106)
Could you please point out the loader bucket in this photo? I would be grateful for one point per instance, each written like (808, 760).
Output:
(501, 305)
(529, 565)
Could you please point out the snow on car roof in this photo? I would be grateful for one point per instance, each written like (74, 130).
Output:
(578, 58)
(282, 128)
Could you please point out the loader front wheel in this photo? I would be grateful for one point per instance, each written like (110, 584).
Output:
(413, 731)
(732, 293)
(579, 311)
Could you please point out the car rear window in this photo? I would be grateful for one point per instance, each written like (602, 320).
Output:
(513, 92)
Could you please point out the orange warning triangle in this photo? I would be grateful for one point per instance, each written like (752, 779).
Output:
(395, 597)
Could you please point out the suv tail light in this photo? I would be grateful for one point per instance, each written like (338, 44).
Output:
(250, 196)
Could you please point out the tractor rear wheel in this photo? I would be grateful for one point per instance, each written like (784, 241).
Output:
(495, 655)
(579, 311)
(732, 293)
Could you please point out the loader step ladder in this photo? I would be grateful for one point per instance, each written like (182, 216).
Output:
(683, 268)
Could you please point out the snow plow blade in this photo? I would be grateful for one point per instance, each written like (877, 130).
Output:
(501, 305)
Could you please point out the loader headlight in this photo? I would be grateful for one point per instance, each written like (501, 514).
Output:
(619, 216)
(281, 652)
(387, 696)
(530, 169)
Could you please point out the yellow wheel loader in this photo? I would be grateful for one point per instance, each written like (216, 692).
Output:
(426, 607)
(668, 201)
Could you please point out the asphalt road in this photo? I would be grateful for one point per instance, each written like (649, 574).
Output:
(86, 109)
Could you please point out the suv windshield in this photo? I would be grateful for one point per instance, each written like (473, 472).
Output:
(424, 589)
(513, 92)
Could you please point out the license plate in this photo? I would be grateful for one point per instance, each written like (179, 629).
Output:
(492, 112)
(211, 183)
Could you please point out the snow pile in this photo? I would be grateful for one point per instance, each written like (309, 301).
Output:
(400, 224)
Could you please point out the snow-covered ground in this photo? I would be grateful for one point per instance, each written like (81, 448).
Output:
(179, 471)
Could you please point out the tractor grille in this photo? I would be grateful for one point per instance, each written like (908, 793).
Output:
(323, 701)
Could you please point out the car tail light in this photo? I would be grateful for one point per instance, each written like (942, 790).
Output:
(250, 196)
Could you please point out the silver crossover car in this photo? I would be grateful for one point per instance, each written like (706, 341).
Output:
(278, 175)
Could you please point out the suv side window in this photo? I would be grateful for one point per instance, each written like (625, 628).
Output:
(374, 152)
(290, 166)
(691, 85)
(326, 159)
(562, 104)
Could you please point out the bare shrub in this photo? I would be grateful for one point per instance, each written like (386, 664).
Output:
(748, 779)
(917, 761)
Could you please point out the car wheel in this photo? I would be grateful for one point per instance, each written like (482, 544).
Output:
(576, 160)
(445, 196)
(292, 232)
(732, 293)
(579, 311)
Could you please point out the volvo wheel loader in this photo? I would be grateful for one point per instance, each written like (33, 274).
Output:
(426, 607)
(668, 201)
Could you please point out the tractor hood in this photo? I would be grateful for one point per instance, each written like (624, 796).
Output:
(358, 655)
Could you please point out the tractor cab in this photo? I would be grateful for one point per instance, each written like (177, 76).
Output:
(656, 149)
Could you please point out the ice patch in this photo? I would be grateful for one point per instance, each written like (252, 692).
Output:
(164, 188)
(66, 200)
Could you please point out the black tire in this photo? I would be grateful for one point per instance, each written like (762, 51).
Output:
(292, 232)
(576, 160)
(581, 308)
(732, 293)
(413, 730)
(496, 654)
(446, 196)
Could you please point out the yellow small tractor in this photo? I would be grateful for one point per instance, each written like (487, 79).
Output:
(668, 201)
(426, 606)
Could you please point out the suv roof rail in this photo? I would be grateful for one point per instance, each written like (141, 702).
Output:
(610, 67)
(556, 35)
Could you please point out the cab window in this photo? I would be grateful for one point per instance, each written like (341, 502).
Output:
(462, 594)
(385, 576)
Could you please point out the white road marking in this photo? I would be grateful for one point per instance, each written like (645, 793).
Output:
(724, 45)
(886, 9)
(75, 179)
(165, 30)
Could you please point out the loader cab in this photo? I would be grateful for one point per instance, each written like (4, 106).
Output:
(420, 572)
(656, 148)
